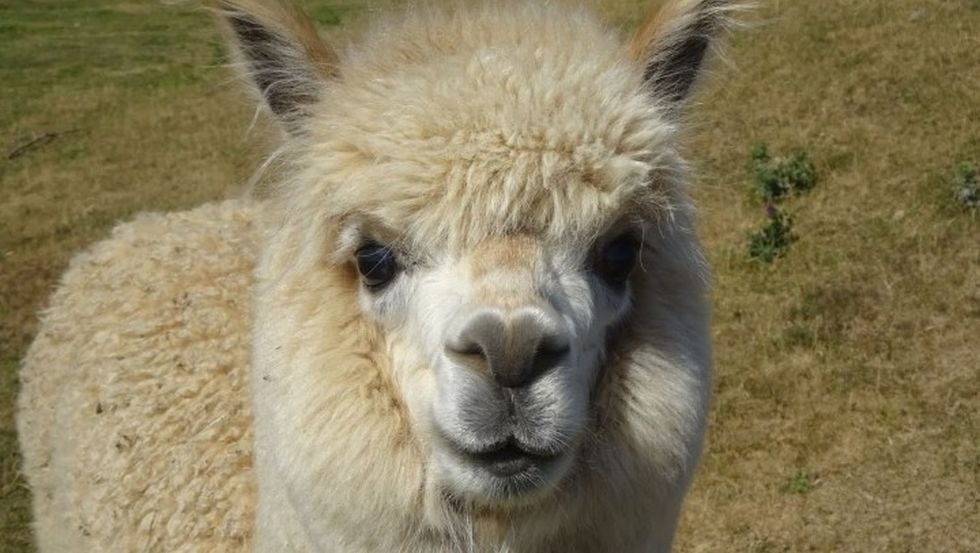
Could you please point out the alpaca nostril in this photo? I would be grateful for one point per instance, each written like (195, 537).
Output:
(471, 346)
(469, 354)
(549, 354)
(555, 344)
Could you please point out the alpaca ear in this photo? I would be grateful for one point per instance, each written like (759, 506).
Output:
(674, 41)
(279, 50)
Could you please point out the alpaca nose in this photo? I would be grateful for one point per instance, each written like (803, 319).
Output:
(514, 347)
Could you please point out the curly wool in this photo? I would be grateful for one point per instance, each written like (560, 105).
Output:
(134, 416)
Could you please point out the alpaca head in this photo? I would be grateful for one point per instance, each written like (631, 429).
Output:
(491, 210)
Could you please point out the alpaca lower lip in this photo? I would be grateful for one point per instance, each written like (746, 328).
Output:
(509, 460)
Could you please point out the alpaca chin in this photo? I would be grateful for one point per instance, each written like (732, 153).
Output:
(515, 482)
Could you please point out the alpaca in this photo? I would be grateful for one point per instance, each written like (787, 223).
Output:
(472, 317)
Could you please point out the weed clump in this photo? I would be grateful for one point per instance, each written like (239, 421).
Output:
(966, 187)
(801, 482)
(774, 238)
(777, 177)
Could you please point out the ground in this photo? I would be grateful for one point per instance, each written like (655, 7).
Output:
(847, 393)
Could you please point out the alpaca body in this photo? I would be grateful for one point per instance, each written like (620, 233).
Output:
(134, 417)
(152, 398)
(472, 318)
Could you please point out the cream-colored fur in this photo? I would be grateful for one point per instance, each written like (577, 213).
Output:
(496, 149)
(134, 417)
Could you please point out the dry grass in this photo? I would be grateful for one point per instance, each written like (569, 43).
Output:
(847, 404)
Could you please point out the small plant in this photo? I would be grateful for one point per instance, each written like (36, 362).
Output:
(781, 176)
(760, 153)
(966, 187)
(801, 482)
(774, 238)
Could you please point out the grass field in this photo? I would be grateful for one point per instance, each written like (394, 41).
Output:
(847, 394)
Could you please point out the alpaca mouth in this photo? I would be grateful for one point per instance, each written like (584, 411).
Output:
(509, 459)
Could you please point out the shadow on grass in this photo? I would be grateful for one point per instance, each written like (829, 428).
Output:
(15, 512)
(15, 500)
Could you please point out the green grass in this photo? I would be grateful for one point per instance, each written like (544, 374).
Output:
(855, 355)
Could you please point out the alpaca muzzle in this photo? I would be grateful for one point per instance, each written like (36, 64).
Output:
(513, 411)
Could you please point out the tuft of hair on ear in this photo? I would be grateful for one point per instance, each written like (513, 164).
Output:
(674, 42)
(277, 47)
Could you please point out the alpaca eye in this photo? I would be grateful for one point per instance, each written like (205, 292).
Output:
(377, 265)
(616, 261)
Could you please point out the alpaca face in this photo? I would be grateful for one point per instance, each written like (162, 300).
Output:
(480, 278)
(510, 336)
